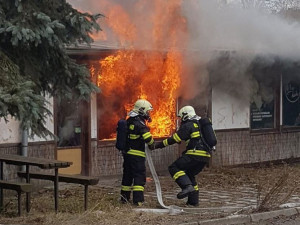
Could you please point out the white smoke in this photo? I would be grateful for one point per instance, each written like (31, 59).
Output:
(214, 27)
(245, 30)
(230, 27)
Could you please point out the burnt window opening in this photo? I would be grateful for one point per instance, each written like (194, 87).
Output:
(111, 109)
(125, 77)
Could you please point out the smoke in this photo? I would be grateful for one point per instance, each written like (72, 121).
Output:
(244, 30)
(209, 28)
(241, 47)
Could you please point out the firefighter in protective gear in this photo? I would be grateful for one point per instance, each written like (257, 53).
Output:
(193, 159)
(134, 168)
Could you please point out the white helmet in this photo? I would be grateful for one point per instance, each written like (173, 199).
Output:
(186, 112)
(142, 107)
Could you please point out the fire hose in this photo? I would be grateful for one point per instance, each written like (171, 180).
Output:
(172, 208)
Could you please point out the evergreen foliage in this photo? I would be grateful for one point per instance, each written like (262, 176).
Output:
(34, 62)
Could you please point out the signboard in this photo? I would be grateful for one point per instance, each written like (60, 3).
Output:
(262, 116)
(291, 99)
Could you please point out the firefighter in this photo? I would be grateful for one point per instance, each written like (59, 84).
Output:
(134, 168)
(193, 159)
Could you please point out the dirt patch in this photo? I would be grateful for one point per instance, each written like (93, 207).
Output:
(271, 187)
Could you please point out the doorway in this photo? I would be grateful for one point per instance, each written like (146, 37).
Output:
(72, 128)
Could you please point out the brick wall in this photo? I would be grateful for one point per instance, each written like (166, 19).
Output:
(106, 159)
(241, 147)
(234, 148)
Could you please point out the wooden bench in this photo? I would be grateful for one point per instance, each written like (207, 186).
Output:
(18, 187)
(75, 179)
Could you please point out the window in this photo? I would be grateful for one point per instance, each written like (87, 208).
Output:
(262, 107)
(264, 103)
(68, 123)
(291, 97)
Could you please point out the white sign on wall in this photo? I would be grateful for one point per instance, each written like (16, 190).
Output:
(229, 112)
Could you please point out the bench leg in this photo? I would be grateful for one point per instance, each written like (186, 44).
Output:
(28, 193)
(19, 203)
(56, 190)
(85, 197)
(1, 190)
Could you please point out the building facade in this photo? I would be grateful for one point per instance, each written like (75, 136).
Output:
(255, 113)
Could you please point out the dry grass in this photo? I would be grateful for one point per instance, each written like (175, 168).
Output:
(277, 193)
(274, 186)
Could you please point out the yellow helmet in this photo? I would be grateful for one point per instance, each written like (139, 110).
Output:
(186, 112)
(142, 107)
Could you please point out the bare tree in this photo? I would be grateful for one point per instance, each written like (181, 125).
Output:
(279, 5)
(258, 4)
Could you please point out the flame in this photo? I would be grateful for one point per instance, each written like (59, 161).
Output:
(150, 68)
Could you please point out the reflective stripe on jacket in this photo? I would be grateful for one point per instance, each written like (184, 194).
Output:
(190, 133)
(139, 134)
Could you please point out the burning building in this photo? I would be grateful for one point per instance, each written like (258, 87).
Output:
(147, 68)
(147, 51)
(146, 64)
(129, 75)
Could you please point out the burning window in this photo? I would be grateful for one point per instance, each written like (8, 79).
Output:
(127, 76)
(153, 36)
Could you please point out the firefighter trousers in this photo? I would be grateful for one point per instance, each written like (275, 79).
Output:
(134, 178)
(184, 170)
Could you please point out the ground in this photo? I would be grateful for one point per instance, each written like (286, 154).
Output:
(223, 192)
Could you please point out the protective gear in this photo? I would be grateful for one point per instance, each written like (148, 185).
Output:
(134, 168)
(159, 145)
(186, 191)
(193, 198)
(186, 112)
(122, 136)
(208, 134)
(193, 159)
(143, 108)
(189, 132)
(152, 147)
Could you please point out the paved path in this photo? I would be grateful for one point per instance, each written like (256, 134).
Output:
(234, 203)
(225, 200)
(217, 198)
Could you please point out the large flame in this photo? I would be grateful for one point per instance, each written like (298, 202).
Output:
(150, 67)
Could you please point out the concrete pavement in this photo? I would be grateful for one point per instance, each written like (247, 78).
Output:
(240, 219)
(236, 204)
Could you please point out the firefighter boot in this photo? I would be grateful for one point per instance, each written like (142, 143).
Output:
(193, 199)
(185, 191)
(125, 196)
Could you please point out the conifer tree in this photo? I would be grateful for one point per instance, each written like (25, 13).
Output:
(34, 36)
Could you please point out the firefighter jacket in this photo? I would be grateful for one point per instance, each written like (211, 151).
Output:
(189, 131)
(138, 135)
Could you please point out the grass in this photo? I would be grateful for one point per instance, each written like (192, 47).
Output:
(273, 186)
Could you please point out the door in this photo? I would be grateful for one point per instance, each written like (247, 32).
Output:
(72, 128)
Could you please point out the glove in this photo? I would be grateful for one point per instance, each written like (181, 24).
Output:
(152, 147)
(159, 144)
